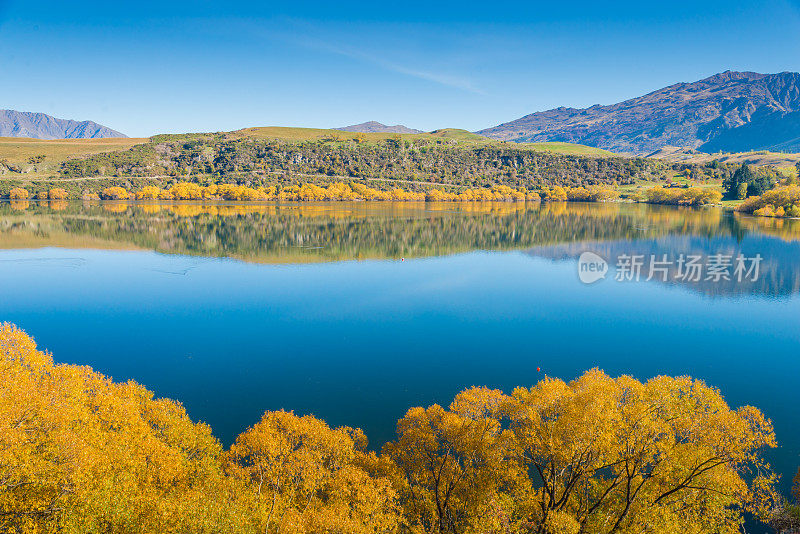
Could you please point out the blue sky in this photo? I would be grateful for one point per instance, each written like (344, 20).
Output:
(148, 67)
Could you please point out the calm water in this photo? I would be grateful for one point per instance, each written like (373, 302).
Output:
(355, 312)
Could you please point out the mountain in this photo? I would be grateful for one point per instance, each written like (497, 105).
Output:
(377, 127)
(730, 112)
(41, 126)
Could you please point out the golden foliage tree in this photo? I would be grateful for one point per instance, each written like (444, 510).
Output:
(617, 455)
(18, 193)
(115, 193)
(693, 196)
(79, 453)
(309, 478)
(57, 193)
(599, 455)
(451, 462)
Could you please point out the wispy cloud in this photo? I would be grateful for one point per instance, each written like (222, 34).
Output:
(303, 34)
(440, 78)
(304, 39)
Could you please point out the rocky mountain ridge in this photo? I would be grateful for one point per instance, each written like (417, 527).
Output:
(730, 111)
(43, 126)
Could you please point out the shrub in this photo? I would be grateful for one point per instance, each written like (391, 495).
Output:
(693, 196)
(58, 194)
(149, 192)
(786, 197)
(18, 193)
(590, 194)
(554, 194)
(765, 211)
(114, 193)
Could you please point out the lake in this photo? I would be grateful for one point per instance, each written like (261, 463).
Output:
(355, 312)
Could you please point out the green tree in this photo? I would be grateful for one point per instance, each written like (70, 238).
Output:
(741, 191)
(759, 184)
(731, 184)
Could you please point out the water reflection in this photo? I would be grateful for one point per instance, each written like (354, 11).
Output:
(776, 273)
(319, 232)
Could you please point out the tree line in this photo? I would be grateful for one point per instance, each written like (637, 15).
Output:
(336, 191)
(80, 453)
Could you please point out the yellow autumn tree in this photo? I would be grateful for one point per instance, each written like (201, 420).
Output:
(187, 191)
(79, 453)
(306, 477)
(115, 193)
(554, 194)
(616, 455)
(451, 463)
(57, 193)
(18, 193)
(148, 192)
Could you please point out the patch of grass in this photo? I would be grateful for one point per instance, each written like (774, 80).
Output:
(315, 134)
(37, 158)
(783, 161)
(450, 135)
(568, 148)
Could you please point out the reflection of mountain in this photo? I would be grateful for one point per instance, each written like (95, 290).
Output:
(779, 270)
(318, 232)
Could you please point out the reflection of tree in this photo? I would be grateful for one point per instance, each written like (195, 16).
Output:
(306, 232)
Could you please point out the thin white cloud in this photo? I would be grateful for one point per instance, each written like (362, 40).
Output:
(442, 79)
(302, 39)
(304, 34)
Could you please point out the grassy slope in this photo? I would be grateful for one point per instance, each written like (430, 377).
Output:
(463, 138)
(780, 160)
(18, 150)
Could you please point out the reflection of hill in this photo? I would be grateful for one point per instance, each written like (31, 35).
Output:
(779, 271)
(309, 232)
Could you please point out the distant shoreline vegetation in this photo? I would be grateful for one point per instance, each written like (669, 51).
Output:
(340, 191)
(337, 191)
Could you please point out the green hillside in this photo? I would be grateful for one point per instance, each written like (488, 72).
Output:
(445, 135)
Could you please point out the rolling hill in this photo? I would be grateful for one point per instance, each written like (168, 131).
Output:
(42, 126)
(443, 136)
(377, 127)
(730, 112)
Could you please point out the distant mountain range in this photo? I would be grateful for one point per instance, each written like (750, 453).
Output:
(41, 126)
(730, 112)
(377, 127)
